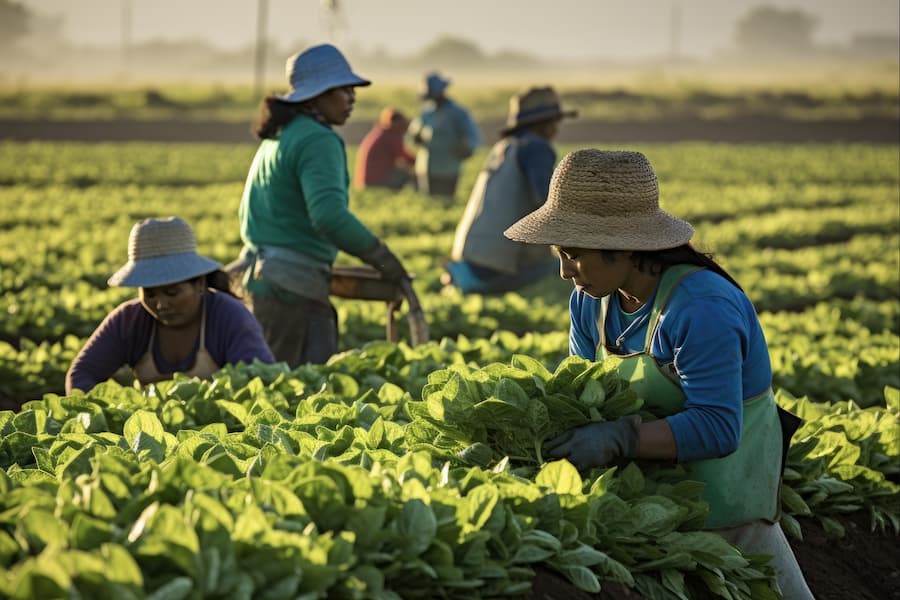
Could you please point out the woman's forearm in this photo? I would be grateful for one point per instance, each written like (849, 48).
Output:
(655, 441)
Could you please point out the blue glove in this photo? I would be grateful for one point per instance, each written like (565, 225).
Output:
(596, 444)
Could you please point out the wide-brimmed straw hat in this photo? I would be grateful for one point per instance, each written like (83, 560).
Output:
(434, 86)
(533, 106)
(161, 252)
(607, 200)
(317, 70)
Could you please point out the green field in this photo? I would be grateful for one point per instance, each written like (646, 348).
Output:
(808, 92)
(289, 470)
(810, 231)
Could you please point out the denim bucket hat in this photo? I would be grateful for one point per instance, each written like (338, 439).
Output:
(434, 86)
(161, 252)
(317, 70)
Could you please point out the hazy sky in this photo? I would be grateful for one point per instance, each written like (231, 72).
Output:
(548, 28)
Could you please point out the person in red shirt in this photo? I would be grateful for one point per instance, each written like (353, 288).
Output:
(382, 159)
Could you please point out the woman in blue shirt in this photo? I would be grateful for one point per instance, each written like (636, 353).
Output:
(690, 342)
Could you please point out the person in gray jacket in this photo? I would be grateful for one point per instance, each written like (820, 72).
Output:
(444, 135)
(513, 182)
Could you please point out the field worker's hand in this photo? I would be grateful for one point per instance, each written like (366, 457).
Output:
(385, 261)
(596, 444)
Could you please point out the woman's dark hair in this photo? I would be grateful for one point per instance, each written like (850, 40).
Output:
(657, 261)
(218, 280)
(274, 114)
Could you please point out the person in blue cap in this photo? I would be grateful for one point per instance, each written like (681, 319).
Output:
(185, 319)
(513, 182)
(444, 135)
(294, 212)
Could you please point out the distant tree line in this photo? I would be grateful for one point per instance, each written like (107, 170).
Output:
(763, 32)
(14, 23)
(771, 31)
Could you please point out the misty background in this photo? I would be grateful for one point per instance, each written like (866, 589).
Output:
(232, 41)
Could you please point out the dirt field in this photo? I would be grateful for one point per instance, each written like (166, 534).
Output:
(740, 130)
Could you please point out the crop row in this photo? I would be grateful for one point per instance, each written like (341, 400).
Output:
(826, 352)
(810, 231)
(335, 481)
(680, 166)
(395, 471)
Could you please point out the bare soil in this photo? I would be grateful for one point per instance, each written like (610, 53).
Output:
(862, 565)
(9, 404)
(746, 129)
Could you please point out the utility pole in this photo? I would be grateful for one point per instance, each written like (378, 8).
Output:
(259, 73)
(334, 20)
(675, 34)
(126, 38)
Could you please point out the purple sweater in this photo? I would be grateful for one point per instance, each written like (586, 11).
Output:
(232, 335)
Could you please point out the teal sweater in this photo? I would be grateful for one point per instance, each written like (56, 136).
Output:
(296, 195)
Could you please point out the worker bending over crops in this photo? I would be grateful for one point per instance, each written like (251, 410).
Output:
(294, 212)
(512, 183)
(382, 159)
(690, 341)
(185, 319)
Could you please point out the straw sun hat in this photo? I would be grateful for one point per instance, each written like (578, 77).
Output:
(317, 70)
(606, 200)
(161, 252)
(532, 106)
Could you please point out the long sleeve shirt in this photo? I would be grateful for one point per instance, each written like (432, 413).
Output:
(447, 135)
(710, 334)
(297, 195)
(537, 158)
(379, 153)
(232, 335)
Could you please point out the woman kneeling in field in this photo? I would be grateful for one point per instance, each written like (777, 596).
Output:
(185, 319)
(690, 343)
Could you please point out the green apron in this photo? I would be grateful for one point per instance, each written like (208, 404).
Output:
(741, 487)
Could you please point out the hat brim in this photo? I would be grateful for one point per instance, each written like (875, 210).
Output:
(302, 94)
(431, 94)
(163, 270)
(546, 225)
(538, 118)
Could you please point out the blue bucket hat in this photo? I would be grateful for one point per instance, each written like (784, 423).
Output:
(162, 252)
(317, 70)
(434, 86)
